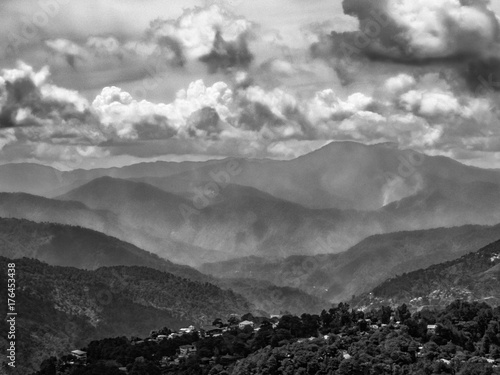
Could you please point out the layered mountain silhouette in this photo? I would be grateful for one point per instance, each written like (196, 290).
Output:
(69, 246)
(271, 237)
(238, 221)
(221, 219)
(345, 175)
(337, 277)
(309, 208)
(40, 209)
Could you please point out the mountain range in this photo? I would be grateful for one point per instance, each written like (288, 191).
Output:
(345, 175)
(472, 277)
(197, 212)
(264, 236)
(69, 246)
(337, 277)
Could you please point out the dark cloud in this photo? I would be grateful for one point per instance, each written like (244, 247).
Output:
(206, 119)
(18, 94)
(483, 75)
(154, 127)
(41, 112)
(257, 115)
(462, 35)
(423, 29)
(226, 55)
(174, 46)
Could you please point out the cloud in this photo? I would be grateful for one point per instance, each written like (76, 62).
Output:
(400, 83)
(104, 46)
(28, 100)
(201, 29)
(204, 122)
(425, 29)
(326, 105)
(70, 51)
(430, 103)
(209, 34)
(124, 118)
(67, 153)
(227, 55)
(483, 74)
(427, 112)
(461, 34)
(98, 53)
(7, 136)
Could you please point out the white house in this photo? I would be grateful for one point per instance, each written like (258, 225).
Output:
(245, 323)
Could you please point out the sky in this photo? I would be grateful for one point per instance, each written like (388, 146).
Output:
(86, 84)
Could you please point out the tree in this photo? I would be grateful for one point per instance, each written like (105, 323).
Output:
(403, 313)
(48, 366)
(385, 314)
(218, 322)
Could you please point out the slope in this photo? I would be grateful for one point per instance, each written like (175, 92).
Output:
(63, 308)
(472, 277)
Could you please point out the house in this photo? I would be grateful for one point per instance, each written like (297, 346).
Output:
(187, 350)
(245, 323)
(211, 331)
(346, 355)
(187, 330)
(79, 354)
(431, 329)
(78, 357)
(161, 337)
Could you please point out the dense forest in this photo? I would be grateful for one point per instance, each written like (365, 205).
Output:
(463, 338)
(63, 307)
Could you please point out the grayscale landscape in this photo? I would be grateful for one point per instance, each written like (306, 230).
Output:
(227, 187)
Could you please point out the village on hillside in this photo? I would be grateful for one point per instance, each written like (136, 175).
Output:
(201, 346)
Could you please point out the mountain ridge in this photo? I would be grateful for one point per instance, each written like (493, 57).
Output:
(472, 277)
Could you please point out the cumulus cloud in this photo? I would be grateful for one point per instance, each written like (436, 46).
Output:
(427, 112)
(125, 118)
(27, 99)
(227, 55)
(462, 34)
(326, 105)
(197, 29)
(425, 29)
(210, 34)
(400, 83)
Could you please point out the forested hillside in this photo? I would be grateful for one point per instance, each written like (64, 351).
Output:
(62, 307)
